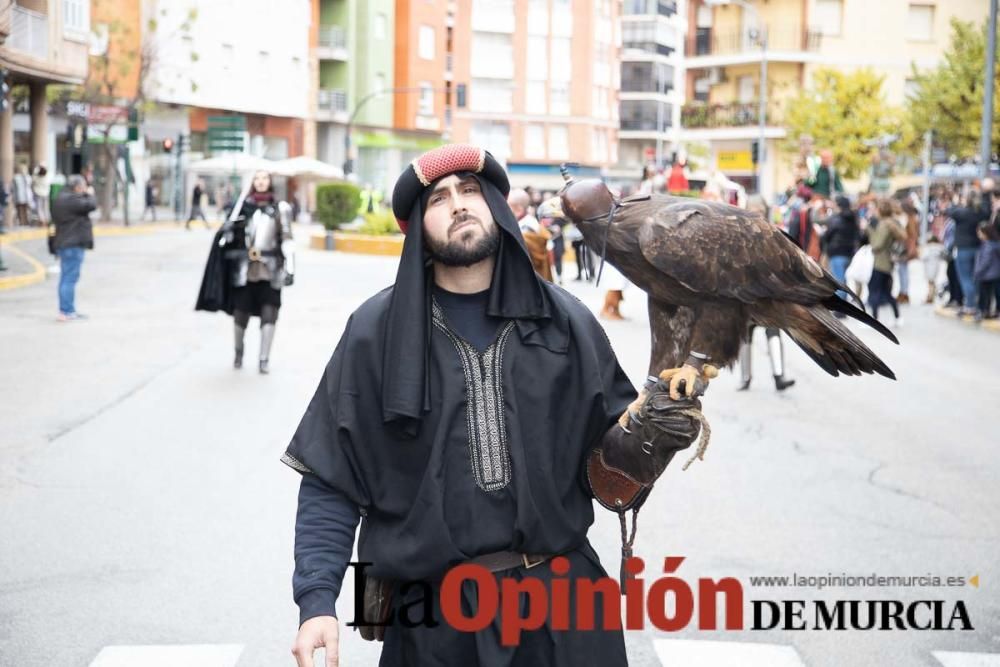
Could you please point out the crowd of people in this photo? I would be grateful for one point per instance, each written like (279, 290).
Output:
(869, 244)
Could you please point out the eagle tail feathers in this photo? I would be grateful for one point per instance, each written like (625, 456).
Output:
(832, 345)
(837, 304)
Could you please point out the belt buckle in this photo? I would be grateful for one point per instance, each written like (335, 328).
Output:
(528, 564)
(254, 254)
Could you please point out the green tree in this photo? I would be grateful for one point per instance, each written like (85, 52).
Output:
(845, 112)
(948, 99)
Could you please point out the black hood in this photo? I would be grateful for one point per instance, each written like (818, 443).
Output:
(516, 293)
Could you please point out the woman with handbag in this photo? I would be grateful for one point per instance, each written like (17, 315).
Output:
(883, 233)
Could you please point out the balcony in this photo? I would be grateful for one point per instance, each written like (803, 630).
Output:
(29, 33)
(711, 48)
(332, 43)
(729, 122)
(331, 105)
(734, 114)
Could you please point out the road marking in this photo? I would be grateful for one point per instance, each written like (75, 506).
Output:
(697, 653)
(36, 275)
(959, 659)
(203, 655)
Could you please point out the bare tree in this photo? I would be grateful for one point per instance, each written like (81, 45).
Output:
(119, 78)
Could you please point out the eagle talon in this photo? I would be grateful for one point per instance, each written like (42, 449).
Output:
(690, 376)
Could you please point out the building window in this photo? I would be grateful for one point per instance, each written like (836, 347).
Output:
(538, 57)
(426, 105)
(562, 18)
(76, 15)
(920, 22)
(829, 14)
(425, 42)
(599, 145)
(381, 24)
(496, 95)
(647, 77)
(645, 115)
(599, 100)
(747, 88)
(535, 97)
(379, 82)
(493, 136)
(911, 87)
(559, 99)
(558, 142)
(492, 55)
(561, 67)
(534, 141)
(538, 17)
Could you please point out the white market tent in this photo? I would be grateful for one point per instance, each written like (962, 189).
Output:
(308, 169)
(241, 163)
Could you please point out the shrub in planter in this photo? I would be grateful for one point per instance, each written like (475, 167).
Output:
(380, 223)
(337, 203)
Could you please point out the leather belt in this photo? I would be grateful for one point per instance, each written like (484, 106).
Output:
(252, 254)
(507, 560)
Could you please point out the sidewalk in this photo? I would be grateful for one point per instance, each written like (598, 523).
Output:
(26, 266)
(990, 325)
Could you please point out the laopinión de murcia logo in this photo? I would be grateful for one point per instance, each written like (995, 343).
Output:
(668, 602)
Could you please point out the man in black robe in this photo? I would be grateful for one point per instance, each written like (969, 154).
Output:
(468, 414)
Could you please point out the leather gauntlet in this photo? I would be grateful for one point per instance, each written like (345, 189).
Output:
(623, 467)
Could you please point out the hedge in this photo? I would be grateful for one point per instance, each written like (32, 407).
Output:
(337, 203)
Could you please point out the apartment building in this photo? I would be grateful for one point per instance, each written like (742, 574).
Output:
(42, 42)
(542, 80)
(652, 84)
(724, 56)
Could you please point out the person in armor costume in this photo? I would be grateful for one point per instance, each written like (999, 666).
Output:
(257, 242)
(469, 414)
(775, 352)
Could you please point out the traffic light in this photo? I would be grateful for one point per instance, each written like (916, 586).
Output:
(168, 145)
(755, 151)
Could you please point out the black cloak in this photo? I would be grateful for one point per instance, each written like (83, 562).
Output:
(216, 291)
(450, 454)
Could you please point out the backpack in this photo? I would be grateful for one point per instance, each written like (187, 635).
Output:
(811, 246)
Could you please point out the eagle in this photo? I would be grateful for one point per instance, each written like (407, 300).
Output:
(710, 271)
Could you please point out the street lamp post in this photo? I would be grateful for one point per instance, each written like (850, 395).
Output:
(986, 134)
(348, 162)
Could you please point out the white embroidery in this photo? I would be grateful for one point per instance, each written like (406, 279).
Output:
(487, 430)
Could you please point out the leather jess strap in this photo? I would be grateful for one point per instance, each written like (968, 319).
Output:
(508, 560)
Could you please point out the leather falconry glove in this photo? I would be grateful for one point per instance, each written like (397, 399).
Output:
(623, 467)
(628, 460)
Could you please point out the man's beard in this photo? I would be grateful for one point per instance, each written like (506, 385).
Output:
(457, 253)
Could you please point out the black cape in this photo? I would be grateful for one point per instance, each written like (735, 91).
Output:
(216, 291)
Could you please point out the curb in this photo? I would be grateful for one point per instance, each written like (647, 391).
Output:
(38, 271)
(990, 325)
(361, 244)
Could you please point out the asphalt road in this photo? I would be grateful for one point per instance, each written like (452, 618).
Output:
(142, 503)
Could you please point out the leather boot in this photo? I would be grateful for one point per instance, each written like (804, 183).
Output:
(266, 338)
(611, 301)
(238, 333)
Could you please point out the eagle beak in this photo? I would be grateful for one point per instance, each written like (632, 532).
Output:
(550, 208)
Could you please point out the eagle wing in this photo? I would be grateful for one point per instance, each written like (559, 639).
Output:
(724, 251)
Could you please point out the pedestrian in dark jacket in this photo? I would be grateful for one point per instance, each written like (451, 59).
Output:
(967, 219)
(74, 234)
(986, 272)
(842, 239)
